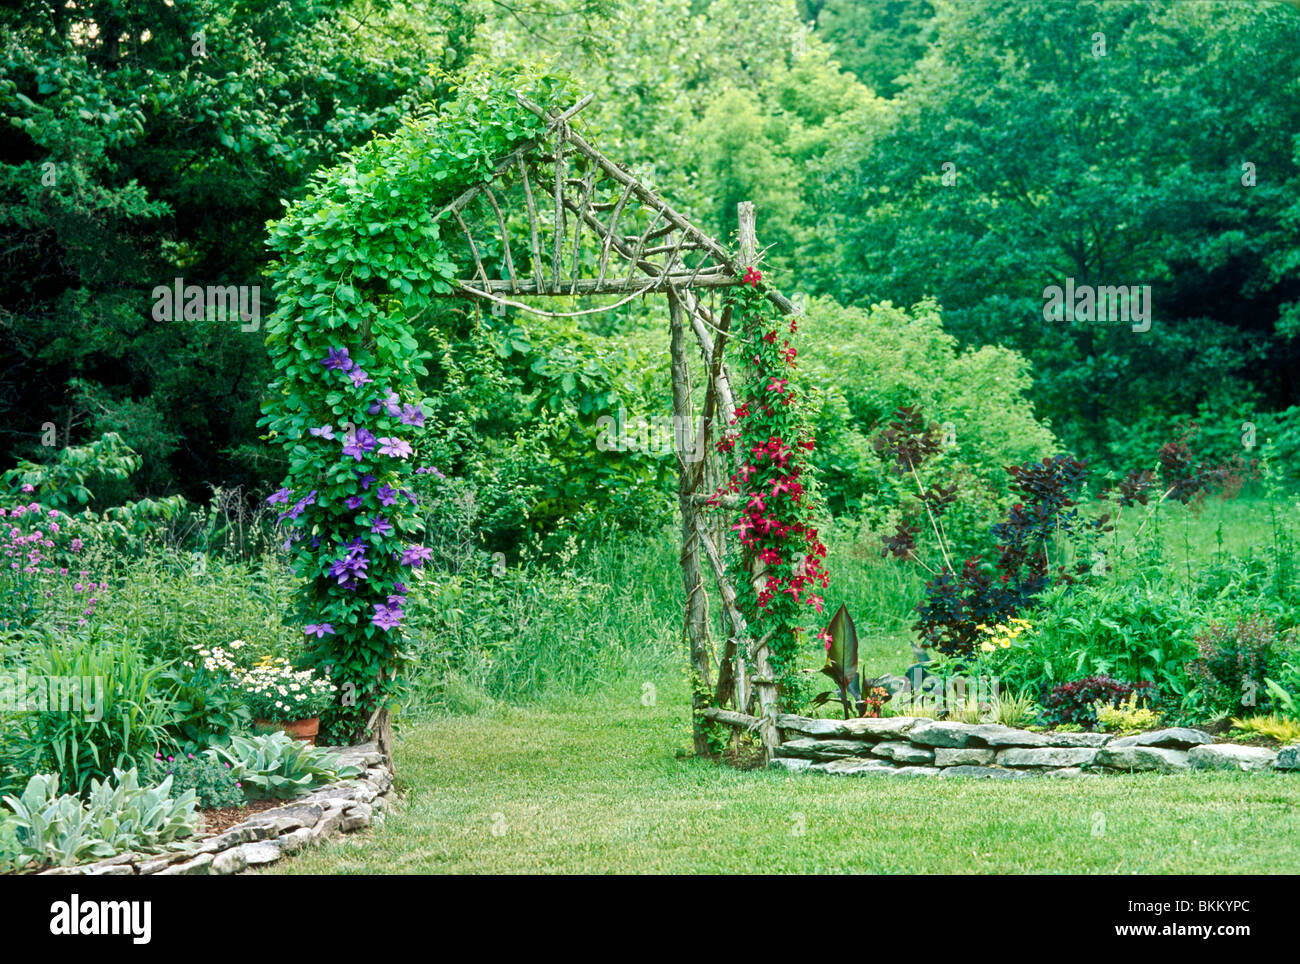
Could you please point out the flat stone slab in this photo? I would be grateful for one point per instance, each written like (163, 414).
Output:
(960, 735)
(867, 728)
(975, 756)
(851, 767)
(257, 854)
(200, 865)
(1050, 756)
(1081, 739)
(1158, 759)
(984, 773)
(1288, 758)
(284, 819)
(1231, 756)
(814, 749)
(1177, 737)
(229, 862)
(902, 752)
(793, 764)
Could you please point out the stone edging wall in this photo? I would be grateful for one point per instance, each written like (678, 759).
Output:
(916, 746)
(268, 835)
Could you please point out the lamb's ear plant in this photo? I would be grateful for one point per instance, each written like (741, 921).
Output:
(43, 827)
(52, 829)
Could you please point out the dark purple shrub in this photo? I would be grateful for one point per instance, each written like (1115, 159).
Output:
(1073, 702)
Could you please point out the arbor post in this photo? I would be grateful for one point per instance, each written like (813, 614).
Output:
(763, 679)
(696, 629)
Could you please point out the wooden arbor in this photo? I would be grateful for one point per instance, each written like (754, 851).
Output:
(557, 218)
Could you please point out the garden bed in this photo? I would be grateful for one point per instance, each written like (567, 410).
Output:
(271, 832)
(918, 746)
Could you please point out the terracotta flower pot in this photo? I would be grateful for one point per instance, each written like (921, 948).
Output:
(298, 729)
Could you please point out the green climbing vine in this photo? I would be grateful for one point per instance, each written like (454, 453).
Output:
(357, 263)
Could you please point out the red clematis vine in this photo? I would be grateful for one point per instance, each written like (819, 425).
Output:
(772, 447)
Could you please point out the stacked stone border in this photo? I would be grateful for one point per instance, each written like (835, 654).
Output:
(917, 746)
(268, 835)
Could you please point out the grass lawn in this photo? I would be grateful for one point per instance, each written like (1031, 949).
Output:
(593, 785)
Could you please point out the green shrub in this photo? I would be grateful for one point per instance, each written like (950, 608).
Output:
(213, 781)
(1138, 631)
(871, 362)
(1233, 663)
(208, 709)
(1126, 717)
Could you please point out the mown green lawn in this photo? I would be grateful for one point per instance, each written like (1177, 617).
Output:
(594, 786)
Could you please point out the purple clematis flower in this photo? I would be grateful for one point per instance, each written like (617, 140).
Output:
(412, 415)
(338, 360)
(280, 495)
(353, 502)
(359, 377)
(410, 496)
(429, 470)
(350, 568)
(365, 480)
(381, 526)
(416, 555)
(390, 404)
(386, 617)
(319, 629)
(359, 444)
(357, 547)
(387, 495)
(396, 447)
(325, 431)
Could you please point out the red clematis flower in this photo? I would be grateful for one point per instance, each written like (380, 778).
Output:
(752, 277)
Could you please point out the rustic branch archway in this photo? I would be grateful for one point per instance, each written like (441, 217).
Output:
(550, 220)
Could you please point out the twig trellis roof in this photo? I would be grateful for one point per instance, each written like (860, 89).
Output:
(556, 217)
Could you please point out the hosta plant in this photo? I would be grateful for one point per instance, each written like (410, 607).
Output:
(276, 766)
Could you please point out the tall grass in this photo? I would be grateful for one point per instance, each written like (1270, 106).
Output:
(523, 633)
